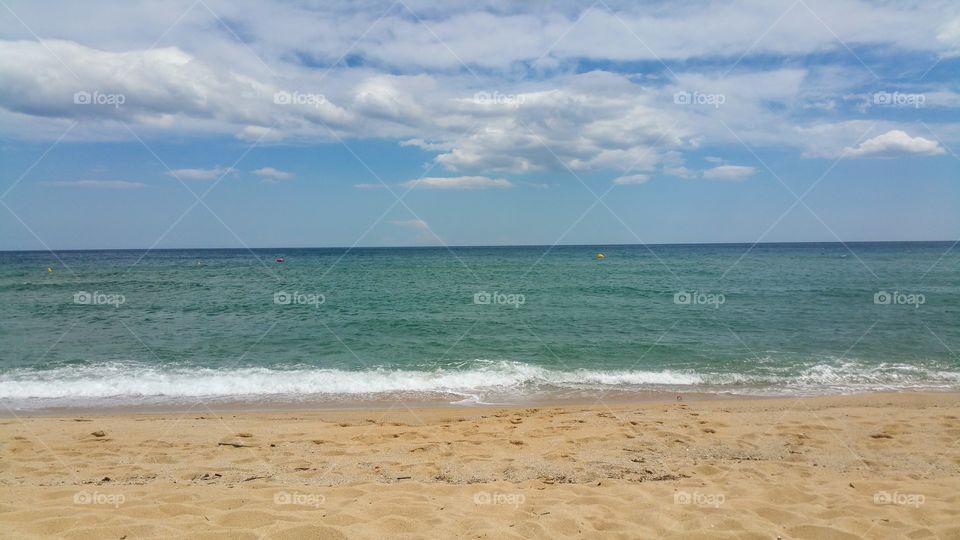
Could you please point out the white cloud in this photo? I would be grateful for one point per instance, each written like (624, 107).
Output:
(895, 143)
(458, 182)
(587, 122)
(408, 85)
(257, 134)
(495, 35)
(159, 89)
(427, 145)
(97, 184)
(631, 179)
(201, 174)
(269, 174)
(729, 172)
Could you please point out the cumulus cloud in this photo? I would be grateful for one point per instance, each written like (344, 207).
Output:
(541, 110)
(201, 174)
(256, 134)
(476, 33)
(895, 143)
(583, 122)
(729, 172)
(458, 182)
(594, 121)
(269, 174)
(97, 184)
(161, 88)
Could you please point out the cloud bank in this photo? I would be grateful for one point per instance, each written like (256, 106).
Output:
(490, 88)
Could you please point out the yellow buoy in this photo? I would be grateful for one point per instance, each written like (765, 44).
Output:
(49, 269)
(601, 256)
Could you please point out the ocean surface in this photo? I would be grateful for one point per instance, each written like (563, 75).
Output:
(475, 325)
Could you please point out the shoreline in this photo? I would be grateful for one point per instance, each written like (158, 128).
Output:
(609, 400)
(875, 465)
(380, 403)
(374, 404)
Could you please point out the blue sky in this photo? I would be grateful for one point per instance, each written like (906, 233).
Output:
(473, 124)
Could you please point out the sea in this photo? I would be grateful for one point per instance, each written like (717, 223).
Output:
(474, 325)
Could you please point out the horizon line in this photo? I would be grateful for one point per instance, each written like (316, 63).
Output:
(443, 246)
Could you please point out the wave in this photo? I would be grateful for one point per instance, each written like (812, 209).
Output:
(117, 383)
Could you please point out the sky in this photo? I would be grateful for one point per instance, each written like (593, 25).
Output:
(211, 123)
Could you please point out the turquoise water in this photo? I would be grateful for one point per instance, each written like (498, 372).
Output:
(173, 326)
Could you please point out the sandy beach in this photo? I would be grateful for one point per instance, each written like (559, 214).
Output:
(869, 466)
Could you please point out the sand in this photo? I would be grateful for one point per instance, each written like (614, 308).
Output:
(870, 466)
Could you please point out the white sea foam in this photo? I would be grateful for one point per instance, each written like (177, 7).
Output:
(116, 384)
(114, 380)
